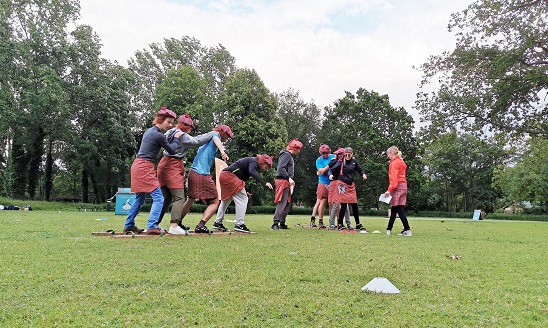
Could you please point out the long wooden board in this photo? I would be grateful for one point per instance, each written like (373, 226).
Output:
(219, 166)
(190, 234)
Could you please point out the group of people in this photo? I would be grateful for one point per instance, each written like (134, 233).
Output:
(336, 188)
(166, 184)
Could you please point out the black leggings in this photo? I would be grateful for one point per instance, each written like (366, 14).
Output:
(354, 212)
(398, 209)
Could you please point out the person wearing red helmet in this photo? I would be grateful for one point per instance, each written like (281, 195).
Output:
(322, 191)
(143, 174)
(171, 172)
(232, 181)
(284, 183)
(200, 182)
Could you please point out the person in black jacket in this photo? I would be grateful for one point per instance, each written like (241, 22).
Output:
(346, 189)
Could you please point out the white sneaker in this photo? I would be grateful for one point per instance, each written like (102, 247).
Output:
(406, 233)
(388, 232)
(176, 231)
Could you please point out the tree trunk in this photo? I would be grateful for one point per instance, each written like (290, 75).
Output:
(19, 164)
(35, 161)
(49, 171)
(85, 186)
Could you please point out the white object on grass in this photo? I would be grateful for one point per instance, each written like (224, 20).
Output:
(380, 285)
(385, 199)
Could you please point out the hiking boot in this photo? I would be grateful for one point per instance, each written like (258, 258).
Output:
(201, 229)
(406, 233)
(133, 229)
(241, 228)
(176, 231)
(283, 226)
(154, 231)
(275, 226)
(219, 226)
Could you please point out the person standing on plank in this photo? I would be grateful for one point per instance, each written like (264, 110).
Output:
(171, 172)
(200, 182)
(398, 190)
(284, 183)
(143, 174)
(232, 180)
(334, 206)
(322, 191)
(346, 189)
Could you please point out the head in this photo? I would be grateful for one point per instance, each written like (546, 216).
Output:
(393, 152)
(164, 119)
(185, 123)
(294, 146)
(348, 153)
(224, 131)
(325, 151)
(339, 153)
(265, 161)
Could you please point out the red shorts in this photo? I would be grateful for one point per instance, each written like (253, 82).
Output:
(322, 191)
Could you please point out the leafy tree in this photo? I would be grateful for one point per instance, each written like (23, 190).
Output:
(369, 124)
(496, 76)
(303, 121)
(527, 180)
(250, 110)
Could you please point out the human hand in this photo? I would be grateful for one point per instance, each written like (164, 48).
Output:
(224, 156)
(178, 134)
(331, 177)
(269, 185)
(364, 176)
(291, 182)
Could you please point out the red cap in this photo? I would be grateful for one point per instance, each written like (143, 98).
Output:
(185, 119)
(324, 149)
(226, 129)
(266, 159)
(295, 144)
(166, 112)
(339, 151)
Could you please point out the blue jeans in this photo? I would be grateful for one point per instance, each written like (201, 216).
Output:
(155, 210)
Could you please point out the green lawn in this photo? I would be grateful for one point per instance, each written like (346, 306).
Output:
(55, 273)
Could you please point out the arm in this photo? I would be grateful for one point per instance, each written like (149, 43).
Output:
(393, 177)
(170, 147)
(197, 141)
(219, 145)
(360, 169)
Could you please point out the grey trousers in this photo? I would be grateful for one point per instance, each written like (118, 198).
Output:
(282, 208)
(240, 200)
(333, 215)
(175, 197)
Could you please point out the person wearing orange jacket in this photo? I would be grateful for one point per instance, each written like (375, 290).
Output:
(398, 190)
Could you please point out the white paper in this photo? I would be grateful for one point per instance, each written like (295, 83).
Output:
(384, 199)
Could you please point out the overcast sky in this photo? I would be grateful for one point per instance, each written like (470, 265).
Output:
(320, 48)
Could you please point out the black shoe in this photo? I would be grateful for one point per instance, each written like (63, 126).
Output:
(184, 227)
(360, 227)
(283, 226)
(219, 226)
(342, 228)
(133, 229)
(241, 228)
(312, 224)
(201, 229)
(275, 226)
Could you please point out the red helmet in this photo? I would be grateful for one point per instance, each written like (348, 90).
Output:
(325, 149)
(166, 112)
(185, 119)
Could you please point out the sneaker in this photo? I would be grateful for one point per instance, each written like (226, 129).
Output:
(342, 228)
(321, 226)
(133, 229)
(184, 227)
(360, 227)
(331, 227)
(388, 232)
(176, 231)
(154, 231)
(350, 227)
(241, 228)
(406, 233)
(219, 226)
(163, 230)
(283, 226)
(201, 229)
(312, 224)
(275, 226)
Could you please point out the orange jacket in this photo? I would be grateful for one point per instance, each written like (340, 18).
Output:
(396, 173)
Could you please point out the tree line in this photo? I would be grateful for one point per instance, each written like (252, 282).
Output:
(71, 121)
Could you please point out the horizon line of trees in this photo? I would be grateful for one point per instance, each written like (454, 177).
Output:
(71, 121)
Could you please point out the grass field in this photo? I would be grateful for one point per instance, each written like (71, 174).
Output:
(56, 274)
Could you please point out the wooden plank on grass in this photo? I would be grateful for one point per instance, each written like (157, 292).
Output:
(190, 234)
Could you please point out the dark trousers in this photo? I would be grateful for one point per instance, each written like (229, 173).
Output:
(176, 198)
(400, 211)
(354, 213)
(282, 208)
